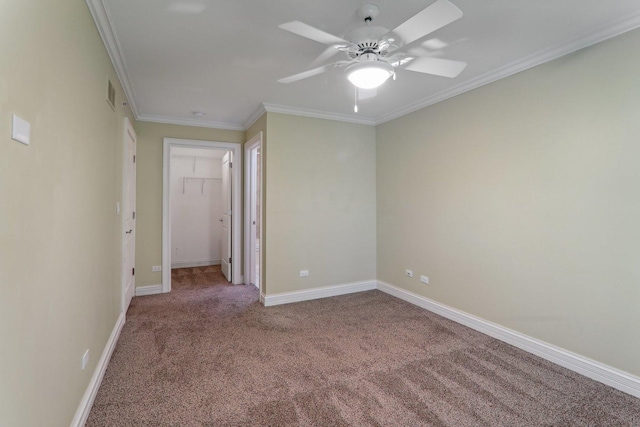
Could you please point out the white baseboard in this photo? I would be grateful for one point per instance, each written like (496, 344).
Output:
(240, 280)
(86, 403)
(189, 264)
(316, 293)
(612, 377)
(148, 290)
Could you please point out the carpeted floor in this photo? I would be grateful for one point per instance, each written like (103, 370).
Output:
(208, 354)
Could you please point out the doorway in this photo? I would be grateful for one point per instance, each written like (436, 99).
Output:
(234, 225)
(253, 211)
(196, 194)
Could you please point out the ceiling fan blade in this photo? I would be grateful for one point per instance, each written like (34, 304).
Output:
(436, 66)
(304, 74)
(304, 30)
(326, 55)
(434, 17)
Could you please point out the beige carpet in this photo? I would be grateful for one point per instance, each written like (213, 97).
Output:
(208, 354)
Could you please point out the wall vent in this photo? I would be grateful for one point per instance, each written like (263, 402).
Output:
(111, 95)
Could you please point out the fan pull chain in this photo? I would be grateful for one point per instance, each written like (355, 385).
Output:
(355, 101)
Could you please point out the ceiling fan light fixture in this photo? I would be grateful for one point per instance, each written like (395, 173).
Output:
(369, 74)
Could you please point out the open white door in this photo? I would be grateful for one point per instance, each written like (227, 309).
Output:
(253, 211)
(254, 216)
(129, 216)
(227, 191)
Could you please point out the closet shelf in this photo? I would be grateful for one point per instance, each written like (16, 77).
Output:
(201, 179)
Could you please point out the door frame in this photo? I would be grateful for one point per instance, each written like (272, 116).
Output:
(236, 206)
(254, 142)
(122, 209)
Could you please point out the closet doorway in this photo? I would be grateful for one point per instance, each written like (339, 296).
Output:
(200, 198)
(197, 207)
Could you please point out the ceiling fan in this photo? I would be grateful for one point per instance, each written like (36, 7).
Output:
(374, 53)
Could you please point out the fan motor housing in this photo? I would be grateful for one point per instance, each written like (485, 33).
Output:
(367, 40)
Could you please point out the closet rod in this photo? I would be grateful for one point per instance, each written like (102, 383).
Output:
(187, 178)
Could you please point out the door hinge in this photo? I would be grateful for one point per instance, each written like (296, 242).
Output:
(134, 158)
(229, 260)
(133, 271)
(230, 164)
(134, 215)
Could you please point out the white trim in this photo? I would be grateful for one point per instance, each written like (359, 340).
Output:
(101, 17)
(255, 141)
(316, 293)
(190, 122)
(236, 209)
(316, 114)
(82, 413)
(188, 264)
(612, 377)
(590, 38)
(148, 290)
(257, 113)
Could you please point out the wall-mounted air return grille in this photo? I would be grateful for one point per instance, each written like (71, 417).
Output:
(111, 94)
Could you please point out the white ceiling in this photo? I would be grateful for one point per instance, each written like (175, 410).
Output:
(224, 58)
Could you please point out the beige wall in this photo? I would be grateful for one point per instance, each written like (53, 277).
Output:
(520, 202)
(149, 189)
(60, 237)
(320, 212)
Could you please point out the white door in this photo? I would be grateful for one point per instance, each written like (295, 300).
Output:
(255, 195)
(129, 213)
(227, 164)
(252, 210)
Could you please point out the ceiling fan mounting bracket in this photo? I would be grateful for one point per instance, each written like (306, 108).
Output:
(368, 12)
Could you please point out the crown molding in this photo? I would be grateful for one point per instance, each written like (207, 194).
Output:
(596, 35)
(257, 113)
(102, 20)
(274, 108)
(190, 122)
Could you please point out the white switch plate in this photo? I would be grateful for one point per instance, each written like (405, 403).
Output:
(21, 130)
(408, 273)
(85, 359)
(424, 279)
(156, 268)
(304, 273)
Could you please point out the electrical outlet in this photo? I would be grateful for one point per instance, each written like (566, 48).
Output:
(304, 273)
(156, 268)
(424, 279)
(408, 273)
(85, 359)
